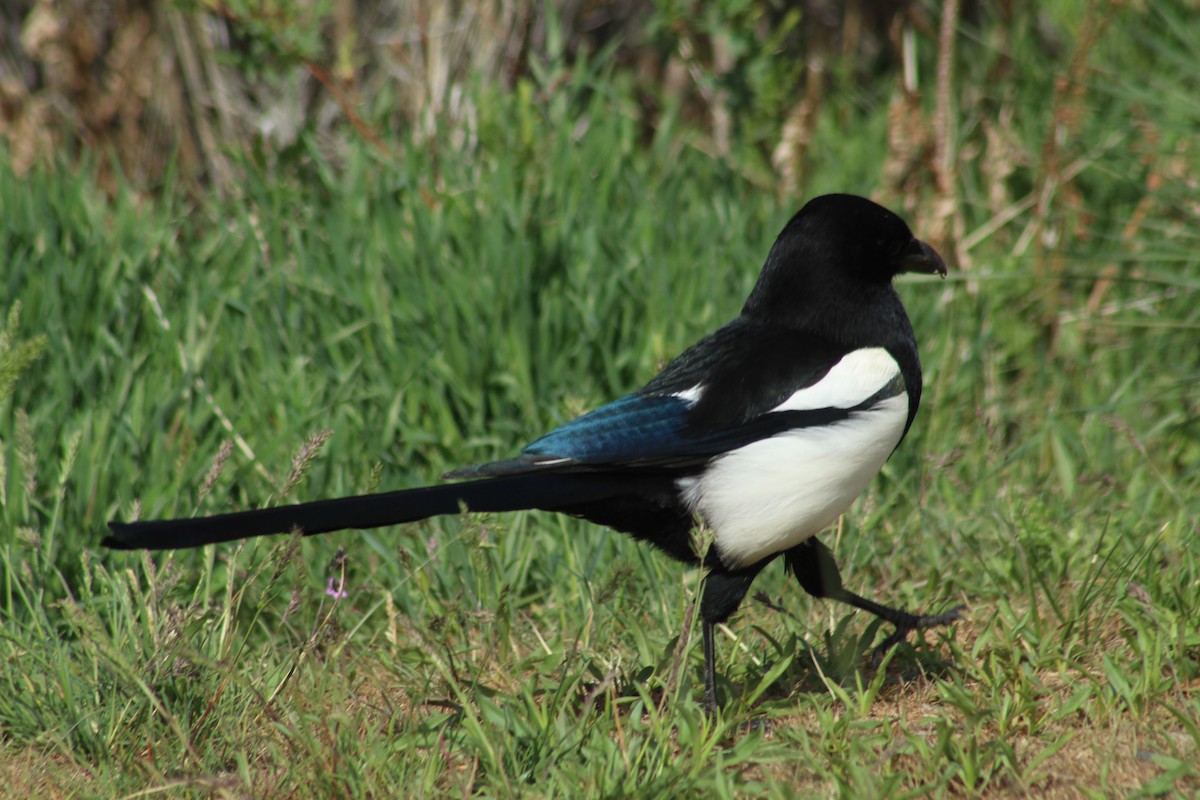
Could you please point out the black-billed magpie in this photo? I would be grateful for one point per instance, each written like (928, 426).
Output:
(764, 431)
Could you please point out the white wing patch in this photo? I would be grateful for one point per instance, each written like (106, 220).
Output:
(859, 375)
(690, 396)
(772, 494)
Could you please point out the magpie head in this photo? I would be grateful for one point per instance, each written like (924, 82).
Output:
(836, 248)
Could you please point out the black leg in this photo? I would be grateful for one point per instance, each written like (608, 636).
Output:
(814, 567)
(722, 593)
(818, 575)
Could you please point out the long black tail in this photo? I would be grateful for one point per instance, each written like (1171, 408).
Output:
(545, 491)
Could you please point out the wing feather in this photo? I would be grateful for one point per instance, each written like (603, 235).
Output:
(772, 381)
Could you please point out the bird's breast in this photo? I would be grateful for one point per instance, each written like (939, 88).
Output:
(772, 494)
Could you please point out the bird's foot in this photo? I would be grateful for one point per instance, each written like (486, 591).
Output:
(906, 623)
(760, 726)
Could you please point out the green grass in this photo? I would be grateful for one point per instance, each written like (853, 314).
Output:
(436, 310)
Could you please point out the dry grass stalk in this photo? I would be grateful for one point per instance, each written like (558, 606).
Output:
(1068, 107)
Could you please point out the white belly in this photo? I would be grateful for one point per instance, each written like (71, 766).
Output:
(773, 494)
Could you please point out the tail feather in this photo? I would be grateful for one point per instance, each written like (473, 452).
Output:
(513, 493)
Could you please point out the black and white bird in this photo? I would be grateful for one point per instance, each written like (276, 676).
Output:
(764, 432)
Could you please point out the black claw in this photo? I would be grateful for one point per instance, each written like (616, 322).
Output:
(759, 726)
